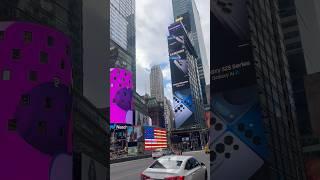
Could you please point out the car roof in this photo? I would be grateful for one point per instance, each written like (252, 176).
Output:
(176, 157)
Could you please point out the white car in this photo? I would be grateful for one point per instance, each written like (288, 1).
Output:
(161, 152)
(176, 168)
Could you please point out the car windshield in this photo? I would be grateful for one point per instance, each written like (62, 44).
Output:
(166, 164)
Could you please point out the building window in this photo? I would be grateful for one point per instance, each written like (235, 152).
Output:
(25, 99)
(62, 65)
(33, 76)
(16, 54)
(43, 57)
(27, 37)
(1, 35)
(68, 50)
(42, 127)
(48, 102)
(6, 75)
(12, 124)
(50, 41)
(61, 132)
(289, 23)
(56, 81)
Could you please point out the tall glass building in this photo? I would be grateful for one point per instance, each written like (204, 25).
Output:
(188, 12)
(122, 34)
(65, 16)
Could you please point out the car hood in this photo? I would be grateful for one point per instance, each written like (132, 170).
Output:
(161, 173)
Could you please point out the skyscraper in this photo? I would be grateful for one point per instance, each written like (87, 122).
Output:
(122, 34)
(186, 10)
(65, 17)
(47, 21)
(187, 101)
(122, 46)
(156, 83)
(296, 62)
(252, 101)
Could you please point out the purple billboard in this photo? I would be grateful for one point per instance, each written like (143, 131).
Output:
(36, 103)
(121, 96)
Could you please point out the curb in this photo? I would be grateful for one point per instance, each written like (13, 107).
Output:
(129, 159)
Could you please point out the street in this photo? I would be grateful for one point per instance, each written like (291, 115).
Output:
(132, 169)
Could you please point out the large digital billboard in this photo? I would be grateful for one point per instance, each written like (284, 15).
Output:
(183, 106)
(154, 138)
(36, 103)
(237, 132)
(121, 96)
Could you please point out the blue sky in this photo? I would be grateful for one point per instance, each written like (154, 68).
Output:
(152, 20)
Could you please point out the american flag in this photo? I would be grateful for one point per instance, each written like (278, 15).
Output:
(154, 138)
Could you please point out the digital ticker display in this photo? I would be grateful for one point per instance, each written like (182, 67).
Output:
(182, 96)
(237, 132)
(121, 96)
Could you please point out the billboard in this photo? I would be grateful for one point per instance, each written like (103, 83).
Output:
(91, 169)
(121, 96)
(236, 130)
(183, 106)
(154, 138)
(35, 117)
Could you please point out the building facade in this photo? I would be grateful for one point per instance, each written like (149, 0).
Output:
(309, 27)
(156, 83)
(186, 10)
(63, 16)
(122, 35)
(36, 81)
(187, 101)
(296, 62)
(142, 117)
(168, 114)
(156, 112)
(252, 71)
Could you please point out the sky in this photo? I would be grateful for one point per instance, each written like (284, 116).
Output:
(152, 20)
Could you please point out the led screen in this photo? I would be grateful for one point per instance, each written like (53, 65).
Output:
(121, 96)
(236, 131)
(35, 116)
(183, 106)
(154, 138)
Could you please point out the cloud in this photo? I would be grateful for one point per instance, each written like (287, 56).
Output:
(168, 91)
(166, 72)
(152, 20)
(142, 80)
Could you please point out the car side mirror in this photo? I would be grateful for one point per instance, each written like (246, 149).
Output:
(202, 164)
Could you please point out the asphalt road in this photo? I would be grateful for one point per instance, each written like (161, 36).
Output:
(132, 169)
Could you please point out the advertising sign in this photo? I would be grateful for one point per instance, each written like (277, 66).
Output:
(36, 103)
(154, 138)
(236, 133)
(182, 96)
(121, 96)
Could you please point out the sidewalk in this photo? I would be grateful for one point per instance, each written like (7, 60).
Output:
(129, 158)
